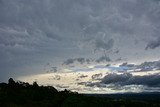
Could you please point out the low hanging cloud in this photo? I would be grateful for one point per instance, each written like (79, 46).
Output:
(124, 80)
(129, 79)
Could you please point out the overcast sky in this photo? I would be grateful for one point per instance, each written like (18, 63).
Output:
(34, 33)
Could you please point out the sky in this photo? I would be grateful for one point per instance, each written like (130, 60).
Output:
(35, 34)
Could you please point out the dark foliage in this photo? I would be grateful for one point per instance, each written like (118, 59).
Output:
(21, 94)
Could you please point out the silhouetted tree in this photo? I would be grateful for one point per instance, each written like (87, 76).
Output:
(21, 94)
(11, 81)
(35, 84)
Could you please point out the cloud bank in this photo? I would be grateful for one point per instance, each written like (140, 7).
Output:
(129, 79)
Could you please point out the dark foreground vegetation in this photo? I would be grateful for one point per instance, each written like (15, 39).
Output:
(21, 94)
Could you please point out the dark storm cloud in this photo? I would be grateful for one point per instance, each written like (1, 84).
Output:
(115, 78)
(125, 79)
(129, 79)
(34, 32)
(153, 44)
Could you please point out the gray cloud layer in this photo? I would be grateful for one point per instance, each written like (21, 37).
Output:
(126, 79)
(129, 79)
(35, 32)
